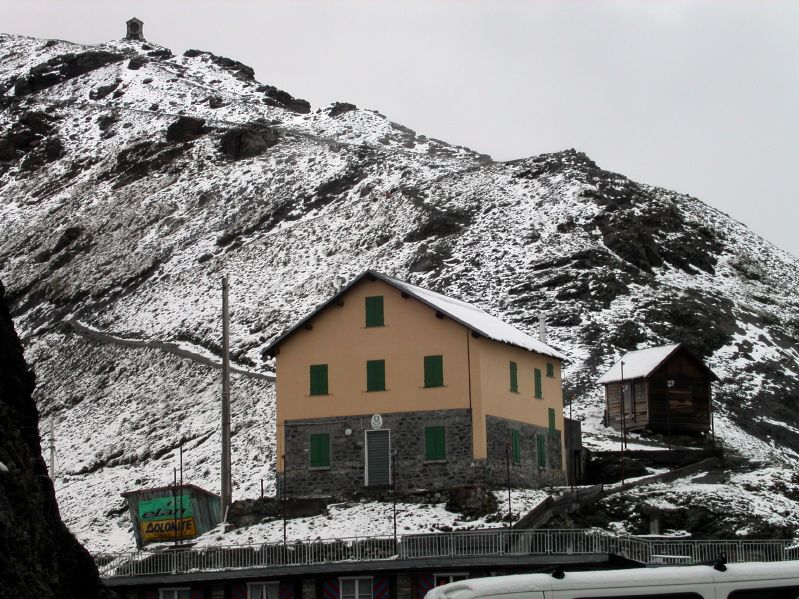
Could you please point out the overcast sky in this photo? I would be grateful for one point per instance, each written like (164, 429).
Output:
(700, 97)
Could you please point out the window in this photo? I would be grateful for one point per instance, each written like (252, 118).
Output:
(551, 419)
(435, 444)
(656, 596)
(182, 593)
(541, 442)
(514, 378)
(319, 379)
(376, 375)
(537, 375)
(433, 371)
(550, 369)
(320, 450)
(791, 592)
(262, 590)
(356, 588)
(374, 311)
(516, 447)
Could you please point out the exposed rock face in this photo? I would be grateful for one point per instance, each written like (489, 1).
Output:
(61, 68)
(186, 128)
(246, 142)
(40, 557)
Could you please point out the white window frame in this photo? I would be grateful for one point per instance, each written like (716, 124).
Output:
(269, 583)
(358, 580)
(171, 592)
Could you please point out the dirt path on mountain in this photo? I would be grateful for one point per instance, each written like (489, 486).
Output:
(171, 348)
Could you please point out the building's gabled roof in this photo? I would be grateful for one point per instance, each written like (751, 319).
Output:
(135, 20)
(641, 363)
(468, 315)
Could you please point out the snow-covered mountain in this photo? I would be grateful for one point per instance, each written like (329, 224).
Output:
(132, 179)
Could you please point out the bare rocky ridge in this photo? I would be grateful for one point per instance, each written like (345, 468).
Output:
(40, 556)
(128, 186)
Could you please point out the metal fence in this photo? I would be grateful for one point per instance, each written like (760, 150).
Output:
(461, 544)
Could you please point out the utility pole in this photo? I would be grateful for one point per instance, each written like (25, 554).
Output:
(227, 490)
(623, 428)
(52, 450)
(669, 385)
(507, 466)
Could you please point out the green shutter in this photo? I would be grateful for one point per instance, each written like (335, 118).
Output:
(538, 393)
(376, 375)
(320, 450)
(542, 450)
(319, 379)
(550, 369)
(433, 371)
(552, 419)
(374, 311)
(516, 447)
(514, 378)
(435, 445)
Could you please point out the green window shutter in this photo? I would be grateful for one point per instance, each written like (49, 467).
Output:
(319, 379)
(433, 371)
(374, 311)
(538, 393)
(435, 444)
(320, 450)
(550, 369)
(552, 419)
(514, 377)
(516, 446)
(542, 450)
(376, 375)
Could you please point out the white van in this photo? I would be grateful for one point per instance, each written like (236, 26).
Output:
(772, 580)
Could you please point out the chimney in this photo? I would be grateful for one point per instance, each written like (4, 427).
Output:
(542, 328)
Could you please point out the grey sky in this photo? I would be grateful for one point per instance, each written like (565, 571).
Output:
(701, 97)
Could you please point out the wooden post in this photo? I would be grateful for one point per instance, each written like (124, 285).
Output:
(507, 464)
(227, 490)
(669, 385)
(623, 438)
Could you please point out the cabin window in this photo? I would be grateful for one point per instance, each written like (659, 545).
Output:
(516, 446)
(182, 593)
(537, 376)
(435, 444)
(541, 443)
(374, 311)
(376, 375)
(551, 419)
(550, 369)
(320, 450)
(433, 371)
(319, 379)
(514, 378)
(356, 588)
(262, 590)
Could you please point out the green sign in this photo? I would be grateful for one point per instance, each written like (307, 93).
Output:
(165, 508)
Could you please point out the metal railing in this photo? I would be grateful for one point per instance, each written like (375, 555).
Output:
(460, 544)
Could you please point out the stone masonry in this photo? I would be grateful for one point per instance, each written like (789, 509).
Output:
(346, 472)
(527, 473)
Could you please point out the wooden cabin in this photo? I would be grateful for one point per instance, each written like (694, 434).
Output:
(665, 389)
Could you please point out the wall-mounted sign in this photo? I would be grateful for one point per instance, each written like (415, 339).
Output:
(166, 519)
(377, 422)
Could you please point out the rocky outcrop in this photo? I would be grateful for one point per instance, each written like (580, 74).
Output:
(237, 144)
(41, 558)
(63, 67)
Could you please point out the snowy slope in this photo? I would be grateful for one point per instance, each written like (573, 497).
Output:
(107, 221)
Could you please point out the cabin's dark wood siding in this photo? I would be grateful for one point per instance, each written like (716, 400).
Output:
(637, 417)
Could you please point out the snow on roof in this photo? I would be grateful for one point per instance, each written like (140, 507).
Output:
(637, 364)
(475, 319)
(466, 314)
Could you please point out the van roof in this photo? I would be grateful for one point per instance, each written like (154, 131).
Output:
(679, 575)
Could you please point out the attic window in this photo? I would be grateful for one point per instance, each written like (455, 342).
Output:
(538, 391)
(374, 311)
(514, 378)
(550, 369)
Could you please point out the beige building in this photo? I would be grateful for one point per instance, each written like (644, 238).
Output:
(387, 380)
